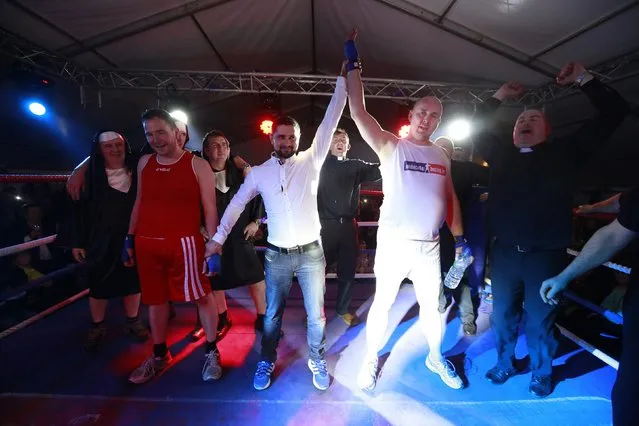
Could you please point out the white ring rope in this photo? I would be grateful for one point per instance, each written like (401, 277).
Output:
(7, 251)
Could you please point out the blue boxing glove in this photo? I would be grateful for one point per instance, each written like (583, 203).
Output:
(214, 264)
(129, 244)
(350, 52)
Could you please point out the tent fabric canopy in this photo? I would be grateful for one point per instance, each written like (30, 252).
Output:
(465, 41)
(462, 42)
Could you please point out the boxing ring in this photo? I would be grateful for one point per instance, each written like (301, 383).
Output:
(48, 379)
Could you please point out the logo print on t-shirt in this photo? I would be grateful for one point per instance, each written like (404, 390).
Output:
(414, 166)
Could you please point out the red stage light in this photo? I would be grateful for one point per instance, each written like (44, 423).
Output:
(266, 126)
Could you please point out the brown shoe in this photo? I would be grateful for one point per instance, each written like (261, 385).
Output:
(137, 331)
(94, 337)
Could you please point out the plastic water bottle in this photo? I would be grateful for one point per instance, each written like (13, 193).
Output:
(214, 264)
(456, 272)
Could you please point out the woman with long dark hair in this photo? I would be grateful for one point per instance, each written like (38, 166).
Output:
(100, 227)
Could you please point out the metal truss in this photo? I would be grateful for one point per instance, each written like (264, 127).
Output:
(287, 84)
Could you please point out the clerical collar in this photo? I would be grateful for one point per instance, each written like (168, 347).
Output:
(525, 150)
(340, 158)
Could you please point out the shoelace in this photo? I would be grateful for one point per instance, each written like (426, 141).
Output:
(319, 367)
(211, 359)
(263, 368)
(448, 366)
(148, 367)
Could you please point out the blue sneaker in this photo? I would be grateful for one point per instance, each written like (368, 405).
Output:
(262, 378)
(321, 379)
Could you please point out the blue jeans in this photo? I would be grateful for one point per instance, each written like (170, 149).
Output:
(309, 269)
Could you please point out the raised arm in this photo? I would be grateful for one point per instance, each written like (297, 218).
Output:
(206, 181)
(485, 138)
(611, 111)
(324, 135)
(376, 137)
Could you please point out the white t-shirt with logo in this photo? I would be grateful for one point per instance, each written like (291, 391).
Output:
(414, 182)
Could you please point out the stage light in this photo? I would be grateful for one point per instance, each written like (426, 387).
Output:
(404, 131)
(459, 129)
(180, 116)
(36, 108)
(266, 126)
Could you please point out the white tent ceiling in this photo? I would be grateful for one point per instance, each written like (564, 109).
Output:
(448, 40)
(482, 42)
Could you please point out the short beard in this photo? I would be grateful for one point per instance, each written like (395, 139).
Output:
(280, 154)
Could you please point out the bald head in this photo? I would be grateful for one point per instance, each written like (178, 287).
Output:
(531, 128)
(446, 144)
(425, 118)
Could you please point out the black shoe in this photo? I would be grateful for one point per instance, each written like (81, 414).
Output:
(499, 375)
(540, 386)
(223, 327)
(197, 333)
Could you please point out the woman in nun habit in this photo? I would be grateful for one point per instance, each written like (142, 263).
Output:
(100, 226)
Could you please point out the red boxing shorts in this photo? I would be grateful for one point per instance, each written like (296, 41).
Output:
(170, 269)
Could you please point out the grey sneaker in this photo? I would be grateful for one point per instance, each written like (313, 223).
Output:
(150, 368)
(212, 369)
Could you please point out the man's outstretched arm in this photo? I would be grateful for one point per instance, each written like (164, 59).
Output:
(378, 138)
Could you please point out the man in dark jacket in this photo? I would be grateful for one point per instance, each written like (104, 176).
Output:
(529, 215)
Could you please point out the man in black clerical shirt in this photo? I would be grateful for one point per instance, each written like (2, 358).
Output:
(532, 185)
(337, 202)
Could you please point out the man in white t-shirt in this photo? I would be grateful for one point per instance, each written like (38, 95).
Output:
(418, 194)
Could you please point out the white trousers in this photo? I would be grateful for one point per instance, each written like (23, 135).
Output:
(396, 259)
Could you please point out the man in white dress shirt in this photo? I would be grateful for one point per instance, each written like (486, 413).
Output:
(288, 183)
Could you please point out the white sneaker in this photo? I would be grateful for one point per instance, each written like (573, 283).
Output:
(446, 371)
(367, 378)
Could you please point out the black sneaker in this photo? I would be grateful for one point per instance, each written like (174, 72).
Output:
(499, 375)
(540, 386)
(94, 337)
(137, 331)
(223, 327)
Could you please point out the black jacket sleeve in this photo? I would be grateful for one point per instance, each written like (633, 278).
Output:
(612, 109)
(367, 172)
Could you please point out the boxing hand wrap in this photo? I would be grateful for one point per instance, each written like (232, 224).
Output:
(350, 52)
(129, 244)
(214, 264)
(460, 242)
